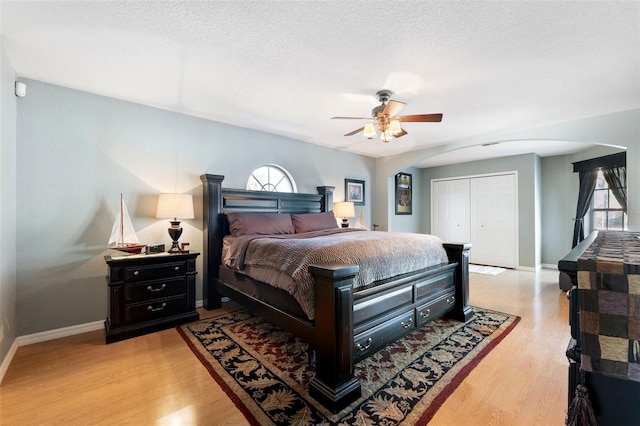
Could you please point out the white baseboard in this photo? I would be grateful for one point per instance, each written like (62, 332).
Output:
(550, 266)
(527, 268)
(4, 367)
(44, 336)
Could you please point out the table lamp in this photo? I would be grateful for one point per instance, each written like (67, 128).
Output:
(178, 207)
(345, 210)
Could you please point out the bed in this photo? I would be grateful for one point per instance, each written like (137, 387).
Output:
(349, 321)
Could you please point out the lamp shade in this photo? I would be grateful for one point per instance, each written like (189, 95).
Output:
(394, 127)
(344, 209)
(369, 131)
(176, 206)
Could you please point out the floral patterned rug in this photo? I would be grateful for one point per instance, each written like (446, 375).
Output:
(265, 370)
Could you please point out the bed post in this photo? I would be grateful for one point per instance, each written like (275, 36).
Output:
(460, 253)
(334, 384)
(212, 249)
(326, 205)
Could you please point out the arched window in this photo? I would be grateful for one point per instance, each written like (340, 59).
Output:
(271, 178)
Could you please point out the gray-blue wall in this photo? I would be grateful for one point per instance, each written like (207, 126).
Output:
(8, 287)
(76, 152)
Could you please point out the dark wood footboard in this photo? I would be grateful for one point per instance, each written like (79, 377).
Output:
(334, 384)
(352, 324)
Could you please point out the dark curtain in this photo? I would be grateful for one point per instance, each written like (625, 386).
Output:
(587, 185)
(616, 177)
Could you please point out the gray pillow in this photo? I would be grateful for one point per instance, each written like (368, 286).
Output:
(313, 222)
(259, 223)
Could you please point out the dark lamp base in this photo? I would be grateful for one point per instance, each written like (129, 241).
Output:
(345, 222)
(175, 248)
(174, 232)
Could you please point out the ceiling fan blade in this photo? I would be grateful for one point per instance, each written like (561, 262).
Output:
(422, 118)
(351, 118)
(401, 134)
(393, 107)
(355, 131)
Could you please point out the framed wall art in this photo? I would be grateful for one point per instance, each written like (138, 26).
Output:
(403, 193)
(354, 191)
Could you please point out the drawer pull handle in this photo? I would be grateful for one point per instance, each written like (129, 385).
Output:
(177, 268)
(366, 345)
(451, 300)
(162, 287)
(152, 309)
(425, 314)
(407, 324)
(136, 273)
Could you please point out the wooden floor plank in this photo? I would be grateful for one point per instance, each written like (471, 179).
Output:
(155, 379)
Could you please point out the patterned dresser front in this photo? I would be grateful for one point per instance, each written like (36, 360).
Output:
(609, 293)
(606, 358)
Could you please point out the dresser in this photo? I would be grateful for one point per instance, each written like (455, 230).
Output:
(148, 293)
(604, 314)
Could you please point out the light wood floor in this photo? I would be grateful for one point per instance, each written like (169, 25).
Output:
(156, 380)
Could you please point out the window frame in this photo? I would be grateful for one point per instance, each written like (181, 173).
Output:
(265, 186)
(594, 210)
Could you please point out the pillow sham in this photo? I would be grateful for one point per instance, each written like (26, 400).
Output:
(308, 222)
(259, 223)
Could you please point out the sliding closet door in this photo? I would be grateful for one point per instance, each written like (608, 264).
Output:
(493, 214)
(450, 210)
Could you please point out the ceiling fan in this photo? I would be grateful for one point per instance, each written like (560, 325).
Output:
(386, 118)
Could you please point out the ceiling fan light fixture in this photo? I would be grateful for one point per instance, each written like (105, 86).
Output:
(369, 131)
(385, 119)
(394, 127)
(386, 136)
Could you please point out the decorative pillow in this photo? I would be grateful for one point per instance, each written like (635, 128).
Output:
(313, 222)
(259, 223)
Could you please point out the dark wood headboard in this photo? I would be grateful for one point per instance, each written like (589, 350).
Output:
(218, 200)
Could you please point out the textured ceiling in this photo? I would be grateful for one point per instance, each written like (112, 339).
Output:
(286, 67)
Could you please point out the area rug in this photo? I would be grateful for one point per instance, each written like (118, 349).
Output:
(485, 270)
(266, 371)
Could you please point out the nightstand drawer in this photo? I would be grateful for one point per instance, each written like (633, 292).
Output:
(151, 272)
(156, 309)
(151, 290)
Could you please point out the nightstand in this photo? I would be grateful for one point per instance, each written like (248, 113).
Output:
(148, 293)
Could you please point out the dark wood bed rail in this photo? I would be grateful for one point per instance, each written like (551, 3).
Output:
(332, 332)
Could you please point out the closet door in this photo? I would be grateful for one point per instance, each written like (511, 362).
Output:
(493, 206)
(450, 210)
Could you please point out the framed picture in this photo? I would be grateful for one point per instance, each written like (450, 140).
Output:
(354, 191)
(403, 193)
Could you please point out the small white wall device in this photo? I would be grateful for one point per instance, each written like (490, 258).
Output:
(21, 89)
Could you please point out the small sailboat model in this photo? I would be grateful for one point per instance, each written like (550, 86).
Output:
(123, 236)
